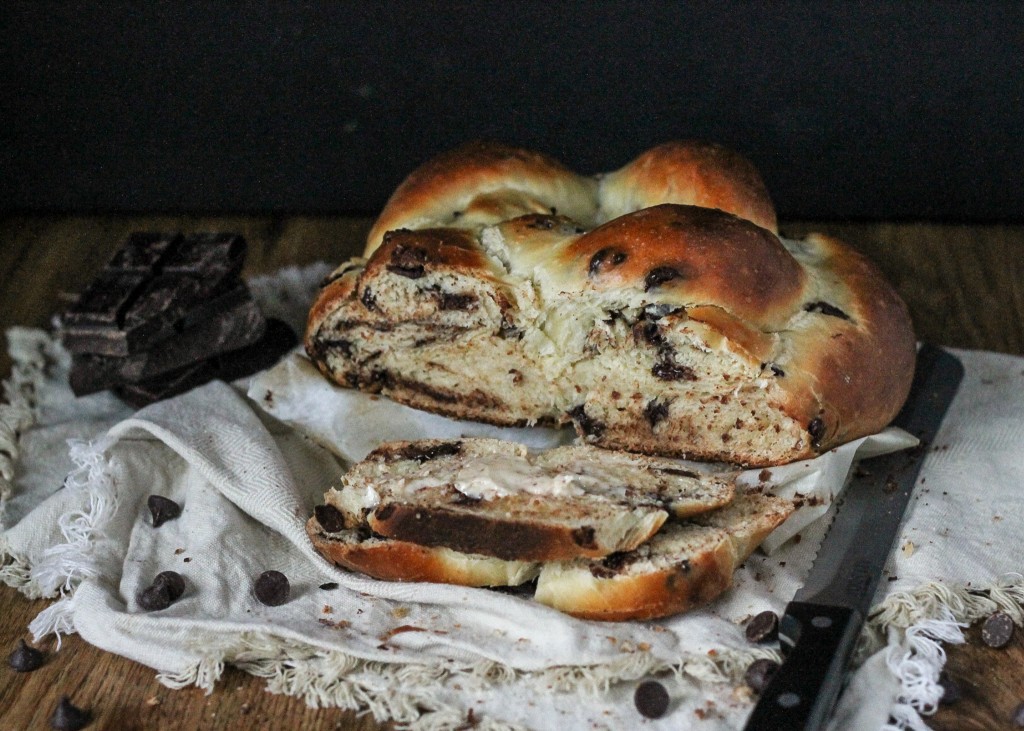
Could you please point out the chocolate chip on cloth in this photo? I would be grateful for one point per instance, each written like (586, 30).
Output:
(25, 659)
(651, 699)
(167, 588)
(272, 588)
(162, 509)
(997, 630)
(68, 717)
(759, 673)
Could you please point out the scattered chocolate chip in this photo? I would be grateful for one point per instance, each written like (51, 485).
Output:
(329, 586)
(776, 370)
(651, 699)
(816, 428)
(455, 301)
(825, 308)
(1018, 716)
(174, 582)
(408, 261)
(272, 588)
(163, 509)
(997, 630)
(951, 691)
(25, 659)
(659, 275)
(764, 627)
(329, 518)
(69, 717)
(155, 597)
(759, 673)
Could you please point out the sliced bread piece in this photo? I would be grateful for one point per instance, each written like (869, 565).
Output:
(390, 560)
(492, 497)
(685, 565)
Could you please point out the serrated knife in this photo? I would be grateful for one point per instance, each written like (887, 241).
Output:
(820, 627)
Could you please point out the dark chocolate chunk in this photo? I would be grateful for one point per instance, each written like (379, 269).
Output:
(68, 717)
(174, 582)
(825, 308)
(239, 325)
(764, 627)
(149, 288)
(759, 673)
(426, 454)
(329, 586)
(604, 260)
(272, 588)
(329, 518)
(584, 536)
(666, 370)
(612, 564)
(651, 699)
(455, 301)
(816, 428)
(155, 597)
(951, 691)
(408, 261)
(655, 412)
(1017, 718)
(776, 370)
(659, 275)
(587, 425)
(997, 630)
(278, 338)
(162, 509)
(25, 659)
(368, 299)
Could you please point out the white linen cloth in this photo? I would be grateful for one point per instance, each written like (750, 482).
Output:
(248, 472)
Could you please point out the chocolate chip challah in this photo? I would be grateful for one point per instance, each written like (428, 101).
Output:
(654, 307)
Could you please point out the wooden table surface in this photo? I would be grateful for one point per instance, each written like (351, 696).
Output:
(964, 285)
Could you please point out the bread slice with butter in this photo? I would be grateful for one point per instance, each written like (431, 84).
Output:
(494, 498)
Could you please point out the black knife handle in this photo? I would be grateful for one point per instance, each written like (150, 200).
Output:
(817, 641)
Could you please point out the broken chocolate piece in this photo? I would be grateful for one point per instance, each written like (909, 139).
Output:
(764, 627)
(239, 325)
(25, 659)
(277, 340)
(329, 586)
(142, 295)
(272, 588)
(69, 717)
(162, 509)
(651, 699)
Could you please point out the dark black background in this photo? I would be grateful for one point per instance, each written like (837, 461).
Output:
(885, 110)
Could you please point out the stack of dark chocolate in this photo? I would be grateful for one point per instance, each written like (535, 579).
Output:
(167, 313)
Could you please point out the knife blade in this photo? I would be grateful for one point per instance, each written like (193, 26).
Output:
(819, 628)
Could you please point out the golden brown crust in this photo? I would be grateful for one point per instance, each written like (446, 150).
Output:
(440, 190)
(853, 366)
(694, 173)
(654, 594)
(687, 254)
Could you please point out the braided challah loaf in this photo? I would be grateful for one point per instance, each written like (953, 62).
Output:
(654, 307)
